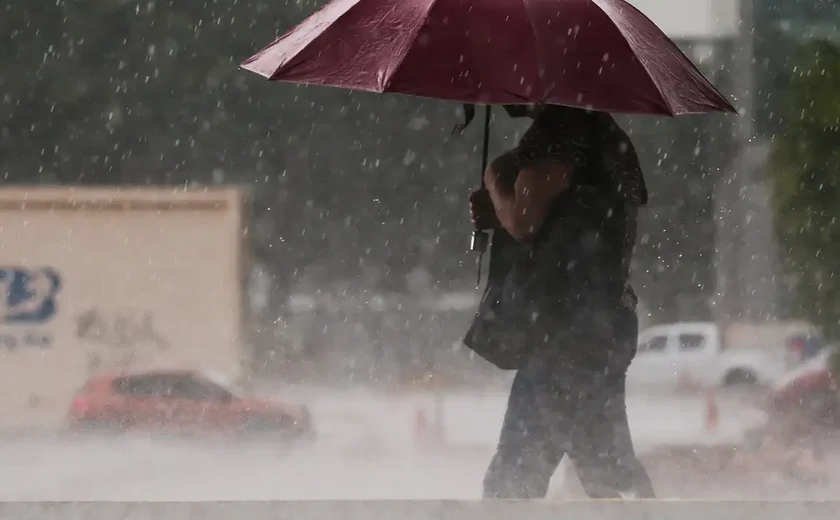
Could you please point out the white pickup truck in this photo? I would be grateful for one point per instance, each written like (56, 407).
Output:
(702, 353)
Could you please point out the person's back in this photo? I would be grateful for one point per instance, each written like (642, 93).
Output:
(575, 271)
(604, 198)
(569, 291)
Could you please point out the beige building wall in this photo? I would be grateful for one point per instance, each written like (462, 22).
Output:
(771, 334)
(110, 280)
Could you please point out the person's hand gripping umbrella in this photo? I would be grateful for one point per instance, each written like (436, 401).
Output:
(597, 54)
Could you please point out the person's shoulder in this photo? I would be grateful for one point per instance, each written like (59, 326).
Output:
(618, 156)
(614, 139)
(559, 141)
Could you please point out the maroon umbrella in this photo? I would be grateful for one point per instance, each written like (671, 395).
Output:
(598, 54)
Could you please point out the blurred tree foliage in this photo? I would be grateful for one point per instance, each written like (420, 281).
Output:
(346, 185)
(780, 28)
(806, 178)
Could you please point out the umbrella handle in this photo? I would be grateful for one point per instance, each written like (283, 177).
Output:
(480, 239)
(485, 149)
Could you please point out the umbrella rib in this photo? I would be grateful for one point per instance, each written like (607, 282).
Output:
(540, 64)
(626, 40)
(409, 42)
(248, 64)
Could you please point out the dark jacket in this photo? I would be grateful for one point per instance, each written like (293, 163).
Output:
(571, 279)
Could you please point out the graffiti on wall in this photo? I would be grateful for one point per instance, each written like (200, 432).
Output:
(28, 303)
(128, 336)
(120, 329)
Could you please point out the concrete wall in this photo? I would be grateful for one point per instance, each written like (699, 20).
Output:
(103, 280)
(693, 19)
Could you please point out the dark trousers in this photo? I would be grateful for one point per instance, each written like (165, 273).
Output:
(556, 408)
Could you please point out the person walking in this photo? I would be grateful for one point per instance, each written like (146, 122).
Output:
(563, 205)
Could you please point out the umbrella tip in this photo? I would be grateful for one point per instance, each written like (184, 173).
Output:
(729, 105)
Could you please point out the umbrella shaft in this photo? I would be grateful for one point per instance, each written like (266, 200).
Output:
(485, 149)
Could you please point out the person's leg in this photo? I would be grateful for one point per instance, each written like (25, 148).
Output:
(526, 456)
(602, 447)
(589, 370)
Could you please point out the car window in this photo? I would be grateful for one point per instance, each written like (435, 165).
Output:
(692, 342)
(201, 390)
(144, 386)
(215, 391)
(653, 344)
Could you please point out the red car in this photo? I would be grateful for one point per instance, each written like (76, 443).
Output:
(180, 402)
(811, 391)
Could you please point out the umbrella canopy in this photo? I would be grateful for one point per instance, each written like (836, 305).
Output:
(597, 54)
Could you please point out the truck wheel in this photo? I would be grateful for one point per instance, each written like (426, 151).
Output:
(740, 376)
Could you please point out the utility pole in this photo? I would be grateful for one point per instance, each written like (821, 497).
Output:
(731, 186)
(747, 257)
